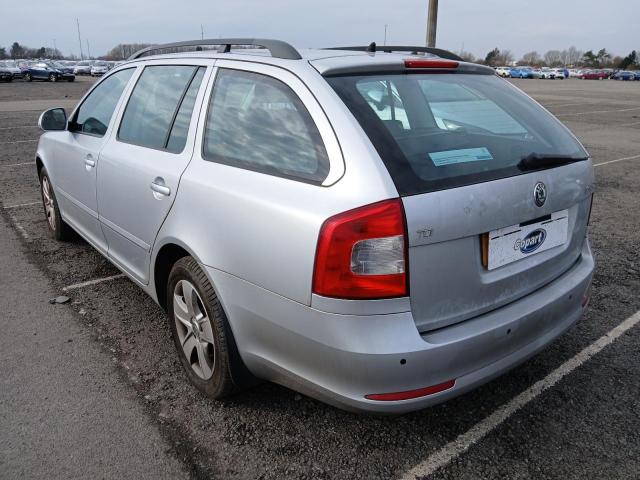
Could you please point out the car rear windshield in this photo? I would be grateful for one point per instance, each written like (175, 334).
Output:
(439, 131)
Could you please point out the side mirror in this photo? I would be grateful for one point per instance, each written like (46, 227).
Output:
(54, 119)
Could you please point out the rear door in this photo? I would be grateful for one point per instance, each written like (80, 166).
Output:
(141, 166)
(496, 191)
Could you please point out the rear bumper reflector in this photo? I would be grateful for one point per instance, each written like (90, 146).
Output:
(409, 394)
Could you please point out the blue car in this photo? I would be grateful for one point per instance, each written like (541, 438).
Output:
(47, 72)
(624, 75)
(637, 75)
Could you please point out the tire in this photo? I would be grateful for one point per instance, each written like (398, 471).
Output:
(202, 327)
(53, 77)
(57, 228)
(71, 79)
(27, 77)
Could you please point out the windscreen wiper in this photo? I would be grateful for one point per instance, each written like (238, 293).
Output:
(536, 161)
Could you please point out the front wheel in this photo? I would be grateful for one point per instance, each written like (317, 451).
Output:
(53, 77)
(56, 227)
(200, 329)
(71, 79)
(27, 77)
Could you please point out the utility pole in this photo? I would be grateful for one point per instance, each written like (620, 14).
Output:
(79, 40)
(55, 48)
(88, 49)
(201, 32)
(432, 23)
(385, 33)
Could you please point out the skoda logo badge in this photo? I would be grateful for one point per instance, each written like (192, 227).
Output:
(540, 194)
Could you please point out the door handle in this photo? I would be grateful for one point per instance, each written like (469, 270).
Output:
(158, 186)
(89, 161)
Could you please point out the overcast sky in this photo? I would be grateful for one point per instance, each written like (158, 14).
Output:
(479, 25)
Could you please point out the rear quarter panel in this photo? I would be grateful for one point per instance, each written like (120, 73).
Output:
(262, 228)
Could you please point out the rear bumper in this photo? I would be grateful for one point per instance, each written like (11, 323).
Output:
(341, 358)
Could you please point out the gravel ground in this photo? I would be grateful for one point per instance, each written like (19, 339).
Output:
(586, 426)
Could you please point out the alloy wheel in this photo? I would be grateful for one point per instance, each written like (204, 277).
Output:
(194, 329)
(47, 199)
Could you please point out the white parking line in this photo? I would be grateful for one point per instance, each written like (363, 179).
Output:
(7, 207)
(19, 126)
(597, 111)
(19, 141)
(16, 164)
(616, 160)
(92, 282)
(631, 124)
(454, 449)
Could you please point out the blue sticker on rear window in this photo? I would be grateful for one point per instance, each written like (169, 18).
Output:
(449, 157)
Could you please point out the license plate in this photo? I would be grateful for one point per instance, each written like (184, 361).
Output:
(510, 244)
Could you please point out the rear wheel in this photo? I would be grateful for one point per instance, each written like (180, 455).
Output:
(53, 77)
(71, 79)
(200, 329)
(56, 227)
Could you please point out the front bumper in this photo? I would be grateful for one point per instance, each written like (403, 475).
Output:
(341, 358)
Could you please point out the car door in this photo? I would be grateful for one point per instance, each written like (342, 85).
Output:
(75, 158)
(141, 165)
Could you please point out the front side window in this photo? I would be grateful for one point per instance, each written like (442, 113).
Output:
(154, 108)
(95, 113)
(258, 123)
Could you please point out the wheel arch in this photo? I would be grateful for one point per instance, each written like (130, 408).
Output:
(168, 253)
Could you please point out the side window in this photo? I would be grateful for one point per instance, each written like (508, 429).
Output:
(95, 113)
(159, 108)
(258, 123)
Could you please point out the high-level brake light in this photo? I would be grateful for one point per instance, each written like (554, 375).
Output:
(430, 63)
(362, 253)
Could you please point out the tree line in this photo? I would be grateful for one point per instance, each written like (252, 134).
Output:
(570, 57)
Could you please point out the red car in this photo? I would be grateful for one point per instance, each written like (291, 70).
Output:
(595, 75)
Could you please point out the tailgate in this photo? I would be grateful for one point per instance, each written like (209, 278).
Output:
(450, 283)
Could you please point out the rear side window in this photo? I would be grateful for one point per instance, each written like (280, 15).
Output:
(160, 107)
(258, 123)
(95, 113)
(438, 131)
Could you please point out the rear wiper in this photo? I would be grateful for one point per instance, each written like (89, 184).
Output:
(534, 161)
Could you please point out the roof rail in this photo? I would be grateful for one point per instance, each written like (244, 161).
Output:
(278, 48)
(398, 48)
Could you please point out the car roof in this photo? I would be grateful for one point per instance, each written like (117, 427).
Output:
(326, 61)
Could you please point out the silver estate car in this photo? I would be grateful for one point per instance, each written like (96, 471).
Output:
(381, 228)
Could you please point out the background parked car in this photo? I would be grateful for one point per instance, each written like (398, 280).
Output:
(83, 68)
(623, 75)
(503, 72)
(99, 68)
(637, 75)
(559, 73)
(42, 71)
(595, 75)
(5, 74)
(546, 72)
(66, 73)
(12, 67)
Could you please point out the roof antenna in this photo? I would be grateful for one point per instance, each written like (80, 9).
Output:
(372, 47)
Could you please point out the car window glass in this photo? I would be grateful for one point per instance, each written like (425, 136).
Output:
(258, 123)
(180, 128)
(95, 113)
(385, 101)
(153, 104)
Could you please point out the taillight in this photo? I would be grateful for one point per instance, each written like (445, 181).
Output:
(362, 253)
